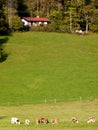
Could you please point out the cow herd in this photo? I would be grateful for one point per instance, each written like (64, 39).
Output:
(15, 120)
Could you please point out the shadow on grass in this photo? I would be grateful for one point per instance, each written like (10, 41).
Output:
(3, 54)
(2, 117)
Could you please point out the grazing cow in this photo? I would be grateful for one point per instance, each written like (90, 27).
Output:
(15, 120)
(54, 121)
(79, 31)
(42, 120)
(74, 120)
(91, 120)
(27, 122)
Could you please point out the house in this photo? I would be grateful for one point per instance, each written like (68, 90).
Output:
(35, 21)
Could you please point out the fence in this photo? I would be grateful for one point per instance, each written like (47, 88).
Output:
(47, 101)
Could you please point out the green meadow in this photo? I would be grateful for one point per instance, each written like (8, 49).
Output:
(63, 111)
(49, 75)
(49, 67)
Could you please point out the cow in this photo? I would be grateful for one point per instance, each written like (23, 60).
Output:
(91, 119)
(15, 120)
(27, 122)
(54, 121)
(79, 31)
(74, 120)
(42, 120)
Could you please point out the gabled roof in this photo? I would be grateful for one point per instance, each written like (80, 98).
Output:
(36, 19)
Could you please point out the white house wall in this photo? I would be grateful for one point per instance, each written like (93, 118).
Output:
(26, 22)
(33, 23)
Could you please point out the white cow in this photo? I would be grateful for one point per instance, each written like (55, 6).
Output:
(91, 120)
(74, 120)
(15, 120)
(27, 122)
(79, 31)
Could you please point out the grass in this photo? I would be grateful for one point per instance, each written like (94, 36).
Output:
(49, 67)
(63, 111)
(45, 75)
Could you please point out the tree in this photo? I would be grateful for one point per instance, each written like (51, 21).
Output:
(89, 15)
(56, 17)
(94, 21)
(4, 28)
(17, 23)
(68, 14)
(14, 21)
(22, 8)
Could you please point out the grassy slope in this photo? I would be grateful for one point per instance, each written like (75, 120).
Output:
(49, 66)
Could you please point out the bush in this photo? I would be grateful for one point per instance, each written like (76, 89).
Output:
(47, 28)
(17, 24)
(4, 30)
(94, 26)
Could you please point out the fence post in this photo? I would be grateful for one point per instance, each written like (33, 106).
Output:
(91, 98)
(17, 103)
(45, 101)
(54, 100)
(80, 98)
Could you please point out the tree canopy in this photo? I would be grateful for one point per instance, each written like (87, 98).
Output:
(66, 15)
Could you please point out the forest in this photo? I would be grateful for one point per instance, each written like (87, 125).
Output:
(65, 15)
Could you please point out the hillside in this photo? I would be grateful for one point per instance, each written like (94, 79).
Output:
(49, 67)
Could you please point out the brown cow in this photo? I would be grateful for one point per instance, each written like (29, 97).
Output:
(91, 119)
(42, 120)
(54, 121)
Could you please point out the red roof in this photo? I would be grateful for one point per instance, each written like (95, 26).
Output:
(36, 19)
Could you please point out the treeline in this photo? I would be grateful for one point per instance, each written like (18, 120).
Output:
(65, 15)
